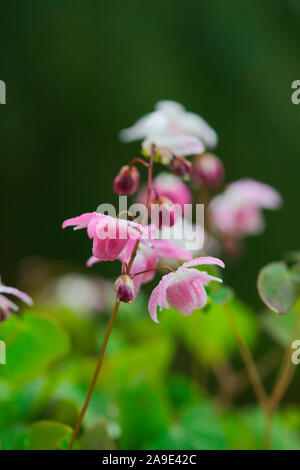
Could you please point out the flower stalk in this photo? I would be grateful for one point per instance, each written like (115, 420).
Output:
(112, 318)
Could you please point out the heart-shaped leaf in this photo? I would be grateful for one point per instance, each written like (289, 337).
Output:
(277, 287)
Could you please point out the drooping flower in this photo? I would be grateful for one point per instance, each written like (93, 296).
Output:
(147, 259)
(184, 288)
(127, 181)
(6, 305)
(110, 235)
(170, 119)
(208, 169)
(238, 210)
(170, 186)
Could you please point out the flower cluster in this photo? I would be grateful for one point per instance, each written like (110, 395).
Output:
(171, 135)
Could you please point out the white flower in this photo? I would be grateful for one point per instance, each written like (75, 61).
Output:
(181, 145)
(169, 120)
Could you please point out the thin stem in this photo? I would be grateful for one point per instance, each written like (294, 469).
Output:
(139, 160)
(149, 188)
(287, 370)
(152, 270)
(249, 362)
(96, 373)
(113, 315)
(284, 379)
(149, 182)
(269, 415)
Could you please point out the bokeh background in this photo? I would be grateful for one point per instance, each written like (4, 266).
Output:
(78, 72)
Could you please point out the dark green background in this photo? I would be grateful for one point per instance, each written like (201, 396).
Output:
(79, 71)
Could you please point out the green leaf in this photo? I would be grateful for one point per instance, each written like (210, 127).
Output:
(208, 335)
(277, 287)
(278, 327)
(199, 427)
(282, 437)
(144, 414)
(33, 342)
(220, 294)
(96, 437)
(44, 435)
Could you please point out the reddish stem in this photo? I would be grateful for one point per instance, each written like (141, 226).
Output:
(139, 160)
(154, 269)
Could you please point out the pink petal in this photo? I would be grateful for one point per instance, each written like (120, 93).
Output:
(153, 304)
(163, 285)
(204, 260)
(168, 249)
(99, 249)
(113, 248)
(7, 305)
(182, 296)
(17, 293)
(191, 274)
(254, 192)
(92, 260)
(199, 292)
(82, 220)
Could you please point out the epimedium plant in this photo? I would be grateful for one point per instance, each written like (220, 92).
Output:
(181, 143)
(170, 134)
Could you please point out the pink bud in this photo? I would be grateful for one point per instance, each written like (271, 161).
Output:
(181, 167)
(124, 288)
(127, 181)
(163, 211)
(208, 169)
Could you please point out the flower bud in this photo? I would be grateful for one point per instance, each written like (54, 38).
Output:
(181, 167)
(208, 169)
(124, 288)
(163, 212)
(127, 181)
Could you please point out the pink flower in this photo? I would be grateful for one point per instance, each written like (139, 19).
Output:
(238, 211)
(184, 288)
(147, 259)
(170, 186)
(110, 235)
(208, 170)
(168, 125)
(6, 305)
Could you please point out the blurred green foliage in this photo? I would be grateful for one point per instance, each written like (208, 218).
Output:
(76, 73)
(160, 386)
